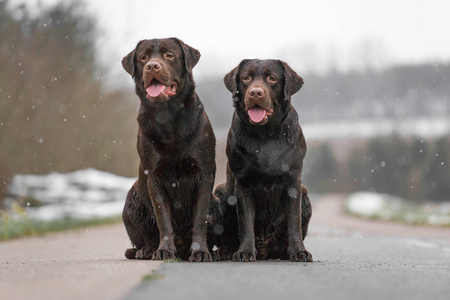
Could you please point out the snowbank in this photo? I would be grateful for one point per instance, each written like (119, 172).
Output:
(81, 194)
(388, 207)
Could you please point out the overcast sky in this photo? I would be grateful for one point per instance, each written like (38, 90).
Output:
(311, 35)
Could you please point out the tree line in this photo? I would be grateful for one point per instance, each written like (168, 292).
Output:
(412, 168)
(54, 113)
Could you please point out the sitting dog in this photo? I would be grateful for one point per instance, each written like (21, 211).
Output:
(265, 150)
(166, 210)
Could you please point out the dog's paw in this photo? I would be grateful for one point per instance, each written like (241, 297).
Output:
(300, 256)
(201, 256)
(162, 254)
(144, 253)
(246, 256)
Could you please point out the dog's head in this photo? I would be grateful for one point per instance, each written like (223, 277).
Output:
(262, 89)
(160, 67)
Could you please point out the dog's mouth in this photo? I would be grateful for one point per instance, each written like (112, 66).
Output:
(259, 115)
(256, 113)
(156, 88)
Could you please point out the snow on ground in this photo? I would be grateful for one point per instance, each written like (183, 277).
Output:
(388, 207)
(81, 194)
(91, 193)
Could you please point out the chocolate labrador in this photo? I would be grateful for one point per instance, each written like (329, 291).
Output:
(166, 210)
(265, 151)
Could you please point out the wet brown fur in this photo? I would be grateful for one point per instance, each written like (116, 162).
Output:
(166, 210)
(262, 211)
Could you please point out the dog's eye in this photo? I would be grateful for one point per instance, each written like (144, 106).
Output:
(168, 55)
(271, 79)
(246, 78)
(144, 57)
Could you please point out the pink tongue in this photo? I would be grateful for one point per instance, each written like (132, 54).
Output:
(155, 89)
(256, 114)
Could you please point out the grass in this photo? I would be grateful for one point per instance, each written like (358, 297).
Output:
(153, 275)
(172, 260)
(14, 223)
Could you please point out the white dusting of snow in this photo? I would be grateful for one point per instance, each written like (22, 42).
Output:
(365, 204)
(388, 207)
(81, 194)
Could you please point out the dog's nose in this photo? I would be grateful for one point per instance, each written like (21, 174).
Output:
(153, 66)
(256, 93)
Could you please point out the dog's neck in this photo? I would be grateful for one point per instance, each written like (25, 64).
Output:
(170, 121)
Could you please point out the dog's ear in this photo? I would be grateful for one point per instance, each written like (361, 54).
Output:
(293, 82)
(191, 55)
(129, 61)
(231, 80)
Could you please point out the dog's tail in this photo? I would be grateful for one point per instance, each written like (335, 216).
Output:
(306, 211)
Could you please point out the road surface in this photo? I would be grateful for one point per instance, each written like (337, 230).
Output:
(354, 259)
(78, 264)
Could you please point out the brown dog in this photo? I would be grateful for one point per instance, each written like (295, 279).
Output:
(166, 210)
(265, 151)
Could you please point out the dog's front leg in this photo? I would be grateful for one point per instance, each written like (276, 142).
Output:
(166, 248)
(199, 246)
(292, 211)
(246, 217)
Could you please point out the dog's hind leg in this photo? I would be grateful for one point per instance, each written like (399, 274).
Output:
(306, 211)
(224, 231)
(140, 228)
(136, 240)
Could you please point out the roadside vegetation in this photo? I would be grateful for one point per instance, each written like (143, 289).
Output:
(153, 275)
(14, 223)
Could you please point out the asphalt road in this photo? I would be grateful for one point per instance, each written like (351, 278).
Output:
(354, 259)
(78, 264)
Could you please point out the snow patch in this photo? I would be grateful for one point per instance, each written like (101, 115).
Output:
(81, 194)
(365, 204)
(388, 207)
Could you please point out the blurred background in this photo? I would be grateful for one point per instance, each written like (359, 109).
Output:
(374, 109)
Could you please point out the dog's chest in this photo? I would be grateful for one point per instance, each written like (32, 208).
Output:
(180, 180)
(177, 169)
(271, 157)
